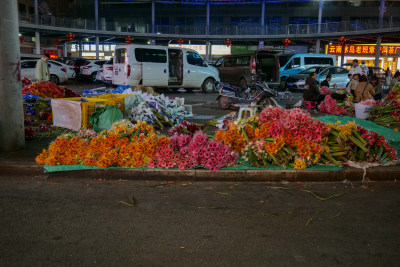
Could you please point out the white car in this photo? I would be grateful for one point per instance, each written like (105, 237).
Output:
(90, 70)
(162, 66)
(57, 74)
(106, 73)
(70, 70)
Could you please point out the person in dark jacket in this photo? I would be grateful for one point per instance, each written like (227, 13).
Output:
(311, 90)
(326, 81)
(377, 87)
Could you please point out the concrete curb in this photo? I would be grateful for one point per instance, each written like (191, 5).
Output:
(383, 173)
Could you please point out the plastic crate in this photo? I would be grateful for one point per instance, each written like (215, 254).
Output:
(116, 100)
(88, 108)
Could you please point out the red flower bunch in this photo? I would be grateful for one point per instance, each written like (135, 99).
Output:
(330, 106)
(43, 89)
(184, 128)
(26, 81)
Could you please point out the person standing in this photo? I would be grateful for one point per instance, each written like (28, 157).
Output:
(350, 78)
(355, 69)
(388, 76)
(364, 90)
(364, 68)
(311, 91)
(377, 87)
(395, 80)
(42, 69)
(351, 88)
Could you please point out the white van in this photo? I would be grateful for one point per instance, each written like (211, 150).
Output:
(162, 66)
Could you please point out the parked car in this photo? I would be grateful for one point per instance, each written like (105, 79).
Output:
(69, 70)
(295, 63)
(108, 71)
(57, 74)
(161, 66)
(89, 70)
(75, 63)
(339, 76)
(242, 69)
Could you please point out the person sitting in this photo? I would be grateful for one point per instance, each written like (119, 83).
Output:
(364, 90)
(351, 88)
(311, 91)
(377, 87)
(326, 81)
(395, 80)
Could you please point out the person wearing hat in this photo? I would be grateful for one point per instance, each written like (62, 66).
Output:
(355, 69)
(364, 68)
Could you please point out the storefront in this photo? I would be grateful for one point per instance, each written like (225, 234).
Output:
(389, 54)
(106, 51)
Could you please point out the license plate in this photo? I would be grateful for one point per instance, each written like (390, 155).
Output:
(290, 84)
(116, 72)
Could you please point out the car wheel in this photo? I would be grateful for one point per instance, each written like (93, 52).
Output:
(267, 102)
(54, 79)
(208, 86)
(224, 102)
(243, 83)
(93, 77)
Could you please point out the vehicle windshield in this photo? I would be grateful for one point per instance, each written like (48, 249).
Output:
(284, 58)
(311, 70)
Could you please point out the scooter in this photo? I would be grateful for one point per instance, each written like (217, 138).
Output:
(261, 94)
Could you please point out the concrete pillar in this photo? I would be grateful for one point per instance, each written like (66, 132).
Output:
(263, 17)
(37, 43)
(12, 135)
(378, 51)
(342, 55)
(153, 16)
(97, 47)
(65, 50)
(381, 13)
(318, 46)
(321, 4)
(36, 7)
(96, 13)
(208, 18)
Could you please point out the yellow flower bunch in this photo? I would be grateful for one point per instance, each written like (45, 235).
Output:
(299, 164)
(344, 130)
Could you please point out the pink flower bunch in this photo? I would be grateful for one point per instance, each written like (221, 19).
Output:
(184, 127)
(369, 102)
(187, 152)
(325, 90)
(329, 105)
(295, 122)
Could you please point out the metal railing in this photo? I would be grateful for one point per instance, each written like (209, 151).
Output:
(251, 29)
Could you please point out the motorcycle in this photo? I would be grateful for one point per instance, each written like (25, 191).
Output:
(261, 94)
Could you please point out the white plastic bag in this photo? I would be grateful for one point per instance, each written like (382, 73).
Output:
(67, 114)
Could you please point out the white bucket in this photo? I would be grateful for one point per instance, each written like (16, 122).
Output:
(362, 111)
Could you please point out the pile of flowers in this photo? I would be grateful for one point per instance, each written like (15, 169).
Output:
(157, 109)
(137, 145)
(330, 106)
(184, 127)
(25, 81)
(349, 142)
(386, 112)
(47, 90)
(325, 90)
(292, 138)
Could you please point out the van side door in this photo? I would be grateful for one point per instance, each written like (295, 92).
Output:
(155, 69)
(120, 66)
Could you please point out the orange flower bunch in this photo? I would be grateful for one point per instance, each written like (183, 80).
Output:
(262, 131)
(233, 138)
(273, 147)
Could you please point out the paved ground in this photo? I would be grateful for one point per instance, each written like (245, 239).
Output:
(80, 222)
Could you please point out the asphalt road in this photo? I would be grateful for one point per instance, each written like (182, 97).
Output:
(81, 222)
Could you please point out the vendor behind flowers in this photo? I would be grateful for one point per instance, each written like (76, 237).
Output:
(364, 90)
(326, 81)
(311, 91)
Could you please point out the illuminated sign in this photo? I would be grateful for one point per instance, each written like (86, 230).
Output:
(390, 50)
(201, 49)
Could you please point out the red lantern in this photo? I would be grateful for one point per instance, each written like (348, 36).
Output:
(56, 41)
(180, 41)
(342, 40)
(228, 42)
(70, 36)
(287, 42)
(21, 39)
(128, 39)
